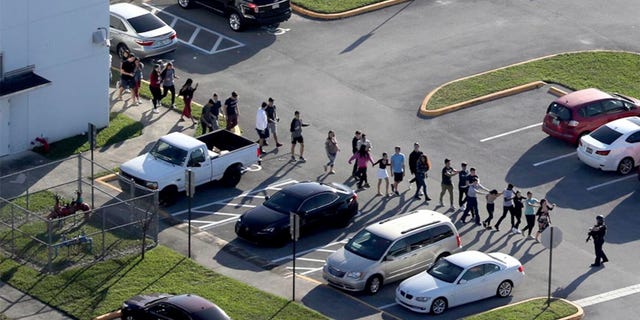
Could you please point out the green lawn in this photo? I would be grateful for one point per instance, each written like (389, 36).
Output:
(100, 288)
(536, 309)
(609, 71)
(333, 6)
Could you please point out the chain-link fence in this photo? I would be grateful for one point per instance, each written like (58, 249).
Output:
(55, 215)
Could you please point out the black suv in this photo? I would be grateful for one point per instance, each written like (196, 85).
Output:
(243, 12)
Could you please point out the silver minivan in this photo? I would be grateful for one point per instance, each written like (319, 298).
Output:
(392, 250)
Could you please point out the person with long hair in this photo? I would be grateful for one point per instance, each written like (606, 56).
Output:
(362, 158)
(137, 78)
(544, 219)
(332, 148)
(422, 167)
(168, 76)
(383, 174)
(187, 94)
(154, 86)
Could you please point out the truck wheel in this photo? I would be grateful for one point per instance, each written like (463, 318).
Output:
(185, 4)
(168, 195)
(232, 176)
(236, 23)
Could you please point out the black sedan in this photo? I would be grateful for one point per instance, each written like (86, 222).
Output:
(315, 203)
(166, 306)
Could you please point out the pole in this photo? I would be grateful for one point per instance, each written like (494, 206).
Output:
(189, 217)
(293, 278)
(550, 263)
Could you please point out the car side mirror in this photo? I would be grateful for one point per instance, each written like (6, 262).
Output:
(389, 258)
(462, 281)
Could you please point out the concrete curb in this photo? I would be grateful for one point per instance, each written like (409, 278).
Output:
(346, 14)
(474, 101)
(576, 316)
(555, 91)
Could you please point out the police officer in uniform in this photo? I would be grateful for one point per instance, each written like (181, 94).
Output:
(597, 232)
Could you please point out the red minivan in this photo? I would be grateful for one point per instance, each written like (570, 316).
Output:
(575, 114)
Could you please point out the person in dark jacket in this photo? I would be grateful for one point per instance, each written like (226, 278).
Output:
(413, 160)
(354, 149)
(597, 232)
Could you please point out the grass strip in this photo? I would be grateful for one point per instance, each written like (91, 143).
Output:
(333, 6)
(605, 70)
(93, 290)
(535, 309)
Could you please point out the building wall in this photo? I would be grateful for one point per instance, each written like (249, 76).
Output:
(56, 37)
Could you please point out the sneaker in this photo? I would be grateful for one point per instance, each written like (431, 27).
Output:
(265, 143)
(173, 106)
(397, 193)
(303, 159)
(278, 144)
(293, 158)
(139, 102)
(426, 197)
(366, 185)
(332, 171)
(417, 197)
(156, 110)
(127, 90)
(516, 231)
(496, 228)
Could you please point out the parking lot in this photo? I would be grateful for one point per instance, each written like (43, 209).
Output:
(335, 90)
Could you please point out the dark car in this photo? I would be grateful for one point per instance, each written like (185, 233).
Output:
(316, 204)
(166, 306)
(243, 12)
(578, 113)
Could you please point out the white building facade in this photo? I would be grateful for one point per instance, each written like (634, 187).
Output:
(54, 70)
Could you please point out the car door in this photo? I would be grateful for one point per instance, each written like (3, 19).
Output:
(614, 109)
(470, 286)
(217, 5)
(396, 264)
(593, 116)
(200, 165)
(166, 311)
(632, 147)
(117, 30)
(317, 209)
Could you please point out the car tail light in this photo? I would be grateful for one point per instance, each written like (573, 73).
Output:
(603, 152)
(521, 269)
(459, 240)
(573, 123)
(354, 197)
(173, 36)
(253, 7)
(145, 43)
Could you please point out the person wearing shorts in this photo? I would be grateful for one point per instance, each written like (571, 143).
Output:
(127, 69)
(296, 135)
(272, 116)
(261, 125)
(397, 169)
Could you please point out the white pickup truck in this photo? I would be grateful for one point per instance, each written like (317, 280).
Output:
(219, 155)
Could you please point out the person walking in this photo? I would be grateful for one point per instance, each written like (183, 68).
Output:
(597, 233)
(154, 86)
(187, 94)
(354, 149)
(383, 174)
(507, 206)
(362, 158)
(422, 167)
(168, 76)
(216, 105)
(413, 160)
(475, 188)
(447, 184)
(491, 198)
(261, 125)
(529, 213)
(137, 80)
(463, 175)
(272, 117)
(397, 168)
(332, 148)
(206, 118)
(127, 68)
(544, 218)
(516, 213)
(231, 112)
(296, 135)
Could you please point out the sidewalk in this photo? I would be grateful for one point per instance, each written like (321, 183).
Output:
(206, 249)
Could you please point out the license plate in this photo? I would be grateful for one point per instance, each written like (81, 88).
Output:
(589, 150)
(164, 42)
(275, 6)
(555, 122)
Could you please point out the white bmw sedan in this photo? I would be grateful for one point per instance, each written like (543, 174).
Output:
(614, 146)
(458, 279)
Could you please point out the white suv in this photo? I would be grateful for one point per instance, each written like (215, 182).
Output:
(392, 250)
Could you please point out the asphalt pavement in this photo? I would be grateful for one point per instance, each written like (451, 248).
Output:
(205, 249)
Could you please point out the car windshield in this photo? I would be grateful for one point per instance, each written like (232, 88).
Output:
(368, 245)
(606, 135)
(169, 153)
(445, 271)
(560, 111)
(146, 22)
(283, 202)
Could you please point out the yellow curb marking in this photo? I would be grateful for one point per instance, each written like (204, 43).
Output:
(345, 14)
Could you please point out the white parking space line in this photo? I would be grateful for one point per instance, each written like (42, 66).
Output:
(387, 306)
(309, 259)
(217, 223)
(611, 182)
(307, 251)
(326, 250)
(607, 296)
(231, 204)
(236, 44)
(554, 159)
(511, 132)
